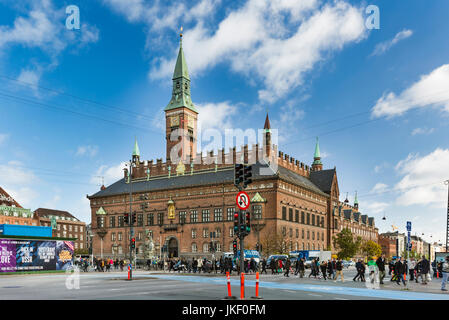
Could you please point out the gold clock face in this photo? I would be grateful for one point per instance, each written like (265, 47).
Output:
(174, 121)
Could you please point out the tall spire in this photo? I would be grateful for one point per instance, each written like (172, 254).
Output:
(356, 202)
(136, 151)
(181, 65)
(181, 83)
(317, 164)
(267, 126)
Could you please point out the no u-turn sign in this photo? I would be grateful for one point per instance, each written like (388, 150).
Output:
(242, 200)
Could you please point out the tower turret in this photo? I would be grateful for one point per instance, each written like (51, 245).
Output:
(317, 164)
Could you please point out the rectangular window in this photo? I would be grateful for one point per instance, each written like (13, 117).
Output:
(139, 236)
(150, 219)
(120, 236)
(230, 214)
(193, 233)
(160, 218)
(218, 214)
(140, 220)
(76, 227)
(297, 233)
(100, 222)
(182, 217)
(308, 218)
(318, 236)
(193, 216)
(231, 232)
(205, 233)
(120, 221)
(81, 229)
(296, 216)
(284, 213)
(313, 235)
(257, 212)
(206, 215)
(302, 233)
(322, 222)
(284, 231)
(290, 232)
(313, 219)
(290, 214)
(308, 234)
(112, 236)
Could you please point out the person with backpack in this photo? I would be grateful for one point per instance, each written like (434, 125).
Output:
(380, 262)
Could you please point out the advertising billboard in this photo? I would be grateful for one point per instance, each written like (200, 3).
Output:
(33, 255)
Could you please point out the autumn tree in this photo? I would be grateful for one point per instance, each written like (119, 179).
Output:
(371, 249)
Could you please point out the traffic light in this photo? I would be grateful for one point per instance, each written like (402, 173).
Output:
(248, 173)
(234, 247)
(242, 221)
(248, 222)
(236, 222)
(126, 218)
(134, 217)
(238, 174)
(133, 243)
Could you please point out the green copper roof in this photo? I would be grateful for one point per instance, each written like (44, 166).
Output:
(181, 65)
(136, 151)
(355, 200)
(181, 85)
(317, 155)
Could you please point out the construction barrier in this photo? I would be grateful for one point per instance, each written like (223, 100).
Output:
(129, 270)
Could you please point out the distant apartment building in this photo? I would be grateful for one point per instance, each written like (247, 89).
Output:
(67, 225)
(11, 212)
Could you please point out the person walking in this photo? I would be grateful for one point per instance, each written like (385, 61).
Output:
(264, 266)
(302, 268)
(339, 268)
(330, 269)
(411, 268)
(323, 267)
(312, 268)
(287, 267)
(380, 262)
(358, 267)
(272, 265)
(425, 269)
(399, 271)
(445, 272)
(372, 269)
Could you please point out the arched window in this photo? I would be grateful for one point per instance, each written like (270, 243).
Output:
(194, 247)
(206, 247)
(120, 250)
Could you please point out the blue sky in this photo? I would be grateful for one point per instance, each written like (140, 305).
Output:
(72, 101)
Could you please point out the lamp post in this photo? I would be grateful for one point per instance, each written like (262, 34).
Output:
(447, 225)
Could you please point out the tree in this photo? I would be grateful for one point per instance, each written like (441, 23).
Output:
(273, 243)
(371, 249)
(347, 245)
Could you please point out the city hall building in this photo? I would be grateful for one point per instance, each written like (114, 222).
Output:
(184, 205)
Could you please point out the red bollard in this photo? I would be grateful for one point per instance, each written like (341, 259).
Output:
(257, 284)
(229, 284)
(257, 287)
(228, 278)
(242, 286)
(128, 273)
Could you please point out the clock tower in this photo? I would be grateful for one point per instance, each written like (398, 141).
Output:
(181, 115)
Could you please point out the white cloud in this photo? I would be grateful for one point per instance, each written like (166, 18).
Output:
(422, 131)
(216, 116)
(422, 181)
(111, 174)
(43, 27)
(279, 41)
(90, 151)
(25, 196)
(379, 188)
(373, 208)
(385, 46)
(432, 90)
(15, 175)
